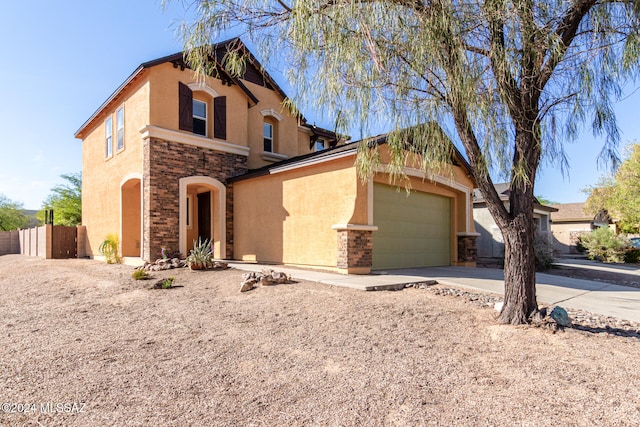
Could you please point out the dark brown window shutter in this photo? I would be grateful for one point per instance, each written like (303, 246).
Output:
(220, 117)
(185, 107)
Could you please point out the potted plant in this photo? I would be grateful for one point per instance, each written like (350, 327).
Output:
(200, 256)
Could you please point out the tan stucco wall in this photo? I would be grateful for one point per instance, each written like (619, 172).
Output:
(165, 103)
(102, 177)
(562, 235)
(287, 217)
(288, 140)
(244, 122)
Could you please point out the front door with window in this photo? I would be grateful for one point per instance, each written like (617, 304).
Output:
(204, 215)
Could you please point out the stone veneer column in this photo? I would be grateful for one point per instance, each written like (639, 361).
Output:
(467, 248)
(355, 248)
(165, 163)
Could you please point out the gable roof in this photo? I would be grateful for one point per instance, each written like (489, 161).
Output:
(570, 212)
(503, 190)
(254, 73)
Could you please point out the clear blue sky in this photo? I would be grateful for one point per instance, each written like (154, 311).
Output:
(61, 60)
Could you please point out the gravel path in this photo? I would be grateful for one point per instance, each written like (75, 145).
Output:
(78, 331)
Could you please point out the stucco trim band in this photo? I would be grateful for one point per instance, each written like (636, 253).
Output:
(354, 227)
(150, 131)
(273, 157)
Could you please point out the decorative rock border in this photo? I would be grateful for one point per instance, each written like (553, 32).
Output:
(167, 264)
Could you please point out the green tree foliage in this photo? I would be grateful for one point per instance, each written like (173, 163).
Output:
(619, 194)
(511, 80)
(66, 201)
(12, 215)
(544, 201)
(603, 244)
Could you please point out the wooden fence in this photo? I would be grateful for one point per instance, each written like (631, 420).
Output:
(48, 241)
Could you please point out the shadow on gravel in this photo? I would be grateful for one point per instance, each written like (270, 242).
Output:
(608, 330)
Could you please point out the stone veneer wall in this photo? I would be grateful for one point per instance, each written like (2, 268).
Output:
(355, 249)
(165, 163)
(467, 249)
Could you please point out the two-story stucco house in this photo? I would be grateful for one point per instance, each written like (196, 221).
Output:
(168, 158)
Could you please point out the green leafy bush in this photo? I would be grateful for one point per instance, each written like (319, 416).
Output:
(604, 245)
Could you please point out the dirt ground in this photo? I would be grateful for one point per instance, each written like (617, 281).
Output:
(82, 332)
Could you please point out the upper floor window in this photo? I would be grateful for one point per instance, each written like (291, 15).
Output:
(120, 128)
(194, 114)
(268, 137)
(199, 117)
(108, 136)
(320, 145)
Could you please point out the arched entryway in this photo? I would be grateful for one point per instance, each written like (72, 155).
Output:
(202, 213)
(131, 216)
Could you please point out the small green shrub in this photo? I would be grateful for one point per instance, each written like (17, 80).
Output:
(167, 283)
(140, 275)
(109, 248)
(604, 245)
(580, 246)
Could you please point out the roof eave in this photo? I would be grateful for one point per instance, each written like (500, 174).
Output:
(138, 71)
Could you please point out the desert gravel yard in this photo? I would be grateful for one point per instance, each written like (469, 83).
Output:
(87, 345)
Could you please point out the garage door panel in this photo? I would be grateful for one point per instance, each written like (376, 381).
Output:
(413, 231)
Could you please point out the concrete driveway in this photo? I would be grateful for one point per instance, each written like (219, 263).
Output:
(597, 297)
(602, 298)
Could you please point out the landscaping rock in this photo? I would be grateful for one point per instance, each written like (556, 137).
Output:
(267, 277)
(560, 316)
(162, 264)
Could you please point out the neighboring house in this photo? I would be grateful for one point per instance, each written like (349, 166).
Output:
(168, 158)
(569, 222)
(490, 241)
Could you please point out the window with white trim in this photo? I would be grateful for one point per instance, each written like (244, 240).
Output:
(319, 145)
(200, 117)
(120, 129)
(268, 137)
(108, 136)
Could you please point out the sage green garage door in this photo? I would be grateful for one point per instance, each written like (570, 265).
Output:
(413, 230)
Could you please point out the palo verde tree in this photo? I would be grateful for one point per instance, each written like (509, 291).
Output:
(511, 80)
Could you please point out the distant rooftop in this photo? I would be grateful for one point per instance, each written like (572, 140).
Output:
(570, 212)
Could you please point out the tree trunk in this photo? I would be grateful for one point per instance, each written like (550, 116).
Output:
(519, 263)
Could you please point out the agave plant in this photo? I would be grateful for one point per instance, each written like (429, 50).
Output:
(200, 256)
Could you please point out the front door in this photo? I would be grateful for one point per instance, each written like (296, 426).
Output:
(204, 215)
